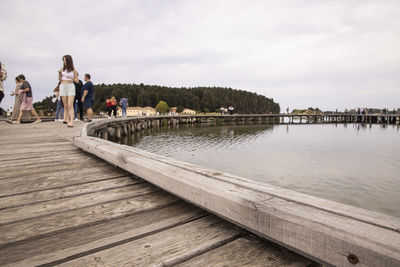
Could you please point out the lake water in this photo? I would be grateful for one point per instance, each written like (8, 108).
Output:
(353, 164)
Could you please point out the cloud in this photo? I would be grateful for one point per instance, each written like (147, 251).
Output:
(301, 53)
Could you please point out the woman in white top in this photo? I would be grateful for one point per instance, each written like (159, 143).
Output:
(67, 76)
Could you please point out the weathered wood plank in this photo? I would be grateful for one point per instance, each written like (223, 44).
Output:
(66, 221)
(248, 251)
(10, 215)
(93, 237)
(34, 155)
(25, 150)
(63, 192)
(176, 244)
(58, 178)
(10, 166)
(48, 169)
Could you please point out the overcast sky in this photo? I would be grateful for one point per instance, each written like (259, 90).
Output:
(326, 54)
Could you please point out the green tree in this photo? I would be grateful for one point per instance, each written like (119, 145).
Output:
(162, 107)
(179, 109)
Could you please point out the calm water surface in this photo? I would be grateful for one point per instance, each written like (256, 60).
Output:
(352, 164)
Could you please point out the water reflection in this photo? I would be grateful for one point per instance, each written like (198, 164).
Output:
(357, 164)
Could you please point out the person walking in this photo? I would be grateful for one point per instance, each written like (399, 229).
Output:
(78, 105)
(25, 94)
(108, 103)
(59, 105)
(17, 104)
(123, 102)
(3, 77)
(88, 96)
(67, 76)
(114, 107)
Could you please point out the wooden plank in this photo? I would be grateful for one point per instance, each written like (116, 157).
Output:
(176, 244)
(48, 169)
(63, 192)
(61, 159)
(11, 215)
(58, 178)
(33, 139)
(34, 155)
(258, 210)
(248, 251)
(66, 221)
(94, 237)
(11, 150)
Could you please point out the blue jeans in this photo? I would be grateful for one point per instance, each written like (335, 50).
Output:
(123, 109)
(59, 110)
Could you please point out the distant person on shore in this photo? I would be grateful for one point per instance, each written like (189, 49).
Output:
(67, 76)
(123, 102)
(231, 110)
(114, 107)
(88, 96)
(108, 103)
(78, 104)
(25, 94)
(287, 110)
(3, 77)
(222, 110)
(59, 105)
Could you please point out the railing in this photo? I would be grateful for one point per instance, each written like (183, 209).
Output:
(330, 233)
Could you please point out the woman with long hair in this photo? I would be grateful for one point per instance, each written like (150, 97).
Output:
(67, 76)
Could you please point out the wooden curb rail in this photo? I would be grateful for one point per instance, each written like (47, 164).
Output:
(330, 233)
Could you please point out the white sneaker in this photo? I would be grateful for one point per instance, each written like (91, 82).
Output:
(76, 119)
(56, 120)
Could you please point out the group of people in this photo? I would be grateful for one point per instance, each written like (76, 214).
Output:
(71, 95)
(23, 96)
(111, 104)
(224, 110)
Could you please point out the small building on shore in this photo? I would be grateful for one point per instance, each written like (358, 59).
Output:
(138, 111)
(188, 111)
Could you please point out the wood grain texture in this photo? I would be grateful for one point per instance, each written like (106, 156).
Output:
(94, 237)
(248, 251)
(58, 178)
(65, 221)
(10, 215)
(65, 192)
(176, 244)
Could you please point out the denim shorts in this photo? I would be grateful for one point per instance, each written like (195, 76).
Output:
(67, 89)
(89, 102)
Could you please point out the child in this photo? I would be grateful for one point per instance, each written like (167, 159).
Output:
(25, 93)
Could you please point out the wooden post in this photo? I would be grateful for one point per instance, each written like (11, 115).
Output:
(117, 132)
(124, 130)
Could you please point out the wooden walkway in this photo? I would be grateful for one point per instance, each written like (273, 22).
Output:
(62, 206)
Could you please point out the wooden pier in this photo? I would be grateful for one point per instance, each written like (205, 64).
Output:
(62, 206)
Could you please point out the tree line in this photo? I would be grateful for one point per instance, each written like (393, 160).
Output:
(201, 99)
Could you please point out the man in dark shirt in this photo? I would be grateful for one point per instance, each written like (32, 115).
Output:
(78, 106)
(88, 96)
